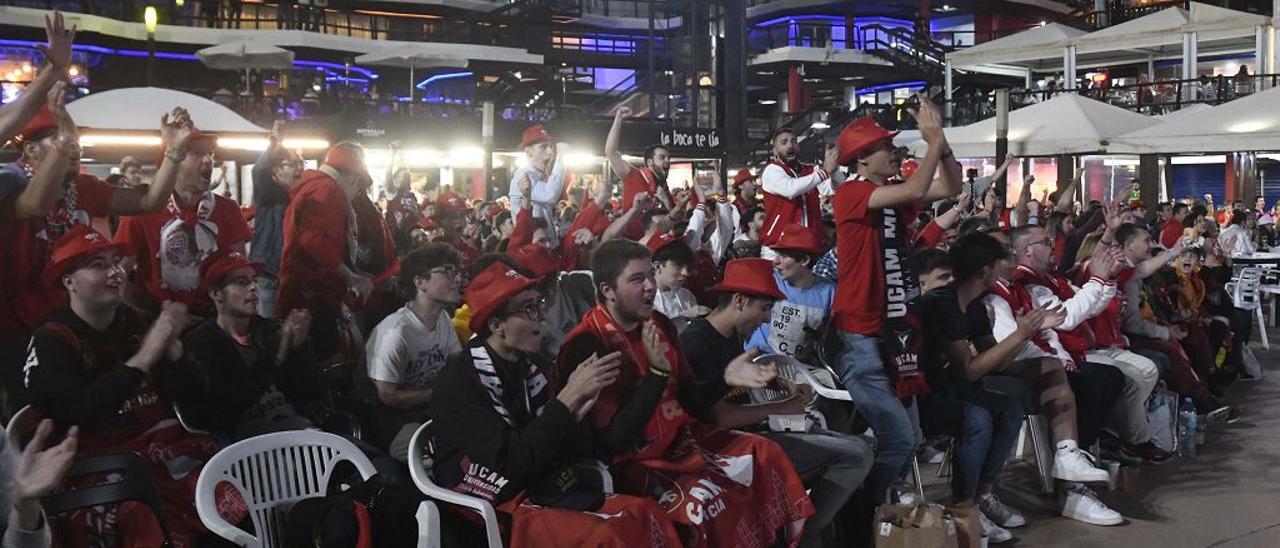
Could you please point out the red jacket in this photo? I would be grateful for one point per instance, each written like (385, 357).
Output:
(780, 211)
(1077, 341)
(318, 228)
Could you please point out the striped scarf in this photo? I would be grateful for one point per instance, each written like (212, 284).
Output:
(537, 391)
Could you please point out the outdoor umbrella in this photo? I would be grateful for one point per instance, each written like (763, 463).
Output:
(413, 56)
(245, 54)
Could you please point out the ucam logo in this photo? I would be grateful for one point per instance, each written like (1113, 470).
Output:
(707, 502)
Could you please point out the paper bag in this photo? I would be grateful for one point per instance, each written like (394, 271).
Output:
(914, 526)
(968, 524)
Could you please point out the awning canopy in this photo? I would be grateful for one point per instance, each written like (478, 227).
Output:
(1066, 124)
(1023, 48)
(1251, 123)
(140, 109)
(245, 54)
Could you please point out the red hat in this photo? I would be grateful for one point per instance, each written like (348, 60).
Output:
(797, 237)
(77, 243)
(222, 263)
(494, 286)
(751, 276)
(1137, 204)
(346, 158)
(534, 135)
(659, 241)
(38, 127)
(494, 210)
(451, 202)
(908, 168)
(535, 258)
(859, 136)
(428, 223)
(743, 175)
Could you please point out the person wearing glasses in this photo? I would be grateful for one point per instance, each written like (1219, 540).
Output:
(407, 350)
(274, 175)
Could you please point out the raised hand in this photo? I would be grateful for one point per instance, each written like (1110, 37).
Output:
(584, 385)
(40, 470)
(622, 112)
(1029, 322)
(58, 50)
(830, 159)
(655, 349)
(176, 128)
(68, 134)
(742, 372)
(642, 201)
(583, 236)
(928, 119)
(525, 186)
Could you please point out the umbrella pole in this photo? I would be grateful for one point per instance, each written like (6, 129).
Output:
(411, 105)
(247, 90)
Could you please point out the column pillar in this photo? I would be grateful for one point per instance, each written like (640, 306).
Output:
(948, 87)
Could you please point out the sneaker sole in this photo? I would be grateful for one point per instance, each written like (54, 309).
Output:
(1106, 478)
(1104, 523)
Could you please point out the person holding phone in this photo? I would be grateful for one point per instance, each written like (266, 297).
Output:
(792, 188)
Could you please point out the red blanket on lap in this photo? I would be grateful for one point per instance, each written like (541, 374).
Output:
(727, 488)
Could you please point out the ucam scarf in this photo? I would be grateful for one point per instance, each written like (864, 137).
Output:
(900, 341)
(537, 391)
(186, 240)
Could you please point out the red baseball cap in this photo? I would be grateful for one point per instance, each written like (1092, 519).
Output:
(534, 135)
(535, 258)
(492, 287)
(659, 241)
(346, 158)
(751, 276)
(77, 243)
(451, 202)
(222, 263)
(859, 136)
(797, 237)
(38, 127)
(743, 175)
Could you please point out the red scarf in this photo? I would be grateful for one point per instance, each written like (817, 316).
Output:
(1020, 302)
(1077, 341)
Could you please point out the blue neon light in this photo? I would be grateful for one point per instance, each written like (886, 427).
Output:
(858, 21)
(184, 56)
(888, 87)
(445, 76)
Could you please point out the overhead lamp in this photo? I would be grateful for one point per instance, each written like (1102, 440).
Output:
(149, 18)
(768, 101)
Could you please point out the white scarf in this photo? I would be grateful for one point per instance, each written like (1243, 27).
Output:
(178, 255)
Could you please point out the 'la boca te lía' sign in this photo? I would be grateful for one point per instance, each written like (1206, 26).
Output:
(695, 138)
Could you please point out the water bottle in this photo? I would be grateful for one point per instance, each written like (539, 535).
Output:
(1187, 429)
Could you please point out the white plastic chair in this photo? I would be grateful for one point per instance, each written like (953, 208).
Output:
(419, 459)
(1245, 294)
(274, 471)
(22, 424)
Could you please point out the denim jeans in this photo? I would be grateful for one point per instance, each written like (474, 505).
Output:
(268, 285)
(896, 427)
(832, 466)
(985, 425)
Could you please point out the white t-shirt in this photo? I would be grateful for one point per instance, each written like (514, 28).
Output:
(672, 303)
(403, 351)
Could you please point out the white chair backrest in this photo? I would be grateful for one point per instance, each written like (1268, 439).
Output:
(420, 458)
(1245, 288)
(271, 472)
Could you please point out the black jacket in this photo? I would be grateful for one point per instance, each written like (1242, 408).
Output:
(229, 387)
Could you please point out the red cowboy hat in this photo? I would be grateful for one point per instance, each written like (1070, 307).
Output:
(743, 175)
(535, 258)
(38, 127)
(797, 237)
(751, 276)
(79, 242)
(495, 285)
(222, 263)
(858, 137)
(534, 135)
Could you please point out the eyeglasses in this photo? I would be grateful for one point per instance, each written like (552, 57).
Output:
(1046, 241)
(535, 310)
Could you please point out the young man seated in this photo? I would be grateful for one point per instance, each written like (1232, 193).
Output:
(797, 321)
(504, 433)
(260, 375)
(408, 348)
(93, 364)
(832, 465)
(646, 419)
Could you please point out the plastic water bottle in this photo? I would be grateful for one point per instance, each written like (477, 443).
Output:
(1187, 429)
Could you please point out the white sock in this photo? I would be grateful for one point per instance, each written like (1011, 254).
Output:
(1067, 445)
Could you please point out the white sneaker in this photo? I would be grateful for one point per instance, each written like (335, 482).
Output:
(994, 533)
(1077, 465)
(998, 513)
(1081, 504)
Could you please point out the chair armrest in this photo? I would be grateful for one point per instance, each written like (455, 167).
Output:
(428, 517)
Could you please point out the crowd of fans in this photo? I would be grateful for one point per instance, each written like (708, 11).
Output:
(651, 329)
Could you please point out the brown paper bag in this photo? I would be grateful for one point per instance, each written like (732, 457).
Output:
(914, 526)
(968, 524)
